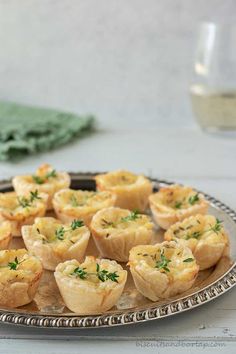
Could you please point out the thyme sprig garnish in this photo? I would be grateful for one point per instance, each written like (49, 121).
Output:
(195, 234)
(178, 204)
(51, 174)
(104, 275)
(80, 272)
(34, 195)
(42, 179)
(163, 262)
(217, 227)
(193, 199)
(74, 201)
(134, 215)
(101, 274)
(60, 233)
(14, 265)
(24, 202)
(76, 224)
(27, 202)
(38, 179)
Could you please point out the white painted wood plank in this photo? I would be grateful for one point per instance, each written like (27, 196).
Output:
(105, 347)
(165, 153)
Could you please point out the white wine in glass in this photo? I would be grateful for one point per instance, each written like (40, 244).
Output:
(213, 91)
(214, 109)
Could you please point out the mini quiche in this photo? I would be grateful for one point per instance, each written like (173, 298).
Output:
(45, 180)
(204, 235)
(53, 242)
(175, 203)
(20, 274)
(91, 287)
(72, 204)
(5, 234)
(132, 190)
(116, 231)
(162, 270)
(21, 210)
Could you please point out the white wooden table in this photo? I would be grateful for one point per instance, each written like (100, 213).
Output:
(183, 155)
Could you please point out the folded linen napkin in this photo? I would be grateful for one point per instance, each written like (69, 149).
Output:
(26, 130)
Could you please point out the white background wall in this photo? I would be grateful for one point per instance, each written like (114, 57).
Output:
(120, 59)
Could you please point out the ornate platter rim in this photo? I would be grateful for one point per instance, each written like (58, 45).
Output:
(120, 318)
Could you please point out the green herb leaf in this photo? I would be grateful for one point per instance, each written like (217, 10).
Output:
(27, 202)
(178, 204)
(97, 267)
(24, 202)
(187, 260)
(42, 179)
(163, 263)
(74, 201)
(34, 195)
(38, 179)
(195, 234)
(51, 174)
(13, 265)
(193, 199)
(80, 272)
(133, 216)
(104, 275)
(217, 227)
(59, 233)
(76, 224)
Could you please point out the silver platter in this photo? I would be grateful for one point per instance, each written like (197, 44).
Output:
(48, 310)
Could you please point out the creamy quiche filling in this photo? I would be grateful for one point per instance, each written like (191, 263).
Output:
(165, 258)
(124, 219)
(81, 199)
(176, 197)
(12, 204)
(51, 230)
(44, 174)
(119, 178)
(199, 227)
(18, 265)
(94, 272)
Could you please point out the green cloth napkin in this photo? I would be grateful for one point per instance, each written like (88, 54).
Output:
(26, 130)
